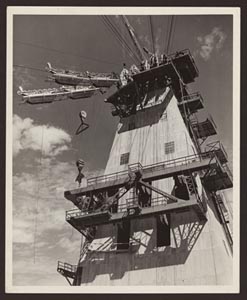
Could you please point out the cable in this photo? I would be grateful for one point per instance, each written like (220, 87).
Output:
(122, 42)
(115, 32)
(37, 198)
(66, 53)
(167, 34)
(31, 68)
(170, 33)
(152, 33)
(173, 32)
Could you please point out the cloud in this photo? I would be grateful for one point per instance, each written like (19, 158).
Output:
(211, 42)
(48, 139)
(41, 235)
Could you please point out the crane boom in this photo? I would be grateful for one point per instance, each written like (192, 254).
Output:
(134, 39)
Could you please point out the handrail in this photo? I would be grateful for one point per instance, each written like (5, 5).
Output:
(192, 96)
(173, 162)
(216, 145)
(184, 52)
(66, 266)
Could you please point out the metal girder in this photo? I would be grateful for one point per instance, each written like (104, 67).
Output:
(81, 219)
(149, 173)
(166, 195)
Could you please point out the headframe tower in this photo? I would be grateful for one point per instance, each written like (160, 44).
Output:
(156, 217)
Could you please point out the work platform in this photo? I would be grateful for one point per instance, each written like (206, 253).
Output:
(52, 95)
(81, 219)
(180, 166)
(181, 62)
(191, 103)
(204, 129)
(67, 270)
(68, 77)
(177, 67)
(220, 180)
(214, 175)
(219, 150)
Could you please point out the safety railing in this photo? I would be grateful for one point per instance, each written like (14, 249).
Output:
(183, 53)
(66, 267)
(152, 167)
(193, 97)
(85, 74)
(215, 146)
(130, 202)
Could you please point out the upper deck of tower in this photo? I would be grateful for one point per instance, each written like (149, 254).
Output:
(175, 70)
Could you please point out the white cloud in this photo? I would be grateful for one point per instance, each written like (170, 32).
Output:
(38, 200)
(48, 139)
(210, 42)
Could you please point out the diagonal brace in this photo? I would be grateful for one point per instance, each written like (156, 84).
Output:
(168, 197)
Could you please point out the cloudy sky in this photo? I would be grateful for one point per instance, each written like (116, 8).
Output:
(45, 146)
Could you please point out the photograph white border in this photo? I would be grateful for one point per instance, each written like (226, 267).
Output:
(235, 12)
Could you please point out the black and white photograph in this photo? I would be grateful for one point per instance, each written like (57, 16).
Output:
(122, 149)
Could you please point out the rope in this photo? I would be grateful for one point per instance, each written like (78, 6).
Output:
(37, 198)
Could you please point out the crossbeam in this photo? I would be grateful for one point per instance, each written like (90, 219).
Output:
(81, 219)
(153, 172)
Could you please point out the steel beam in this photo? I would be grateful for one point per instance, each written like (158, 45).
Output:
(152, 173)
(80, 221)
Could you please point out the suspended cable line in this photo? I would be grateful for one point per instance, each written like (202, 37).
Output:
(152, 33)
(170, 34)
(37, 197)
(66, 53)
(173, 32)
(121, 40)
(31, 68)
(167, 34)
(113, 30)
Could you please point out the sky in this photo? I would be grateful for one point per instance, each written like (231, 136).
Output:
(45, 147)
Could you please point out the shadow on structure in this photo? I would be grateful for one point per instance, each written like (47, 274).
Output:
(183, 235)
(150, 115)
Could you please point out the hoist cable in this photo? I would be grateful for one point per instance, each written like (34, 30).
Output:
(122, 41)
(170, 33)
(173, 32)
(152, 33)
(66, 53)
(112, 29)
(31, 68)
(128, 46)
(37, 197)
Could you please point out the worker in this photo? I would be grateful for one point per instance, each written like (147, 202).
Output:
(142, 66)
(164, 59)
(124, 75)
(134, 70)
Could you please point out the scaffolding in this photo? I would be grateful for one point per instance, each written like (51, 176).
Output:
(214, 175)
(178, 66)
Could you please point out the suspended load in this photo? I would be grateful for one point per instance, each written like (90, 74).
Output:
(80, 165)
(83, 126)
(82, 78)
(54, 94)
